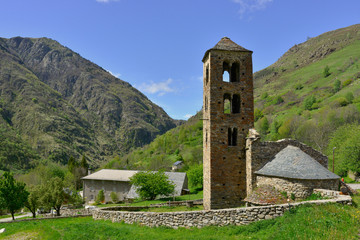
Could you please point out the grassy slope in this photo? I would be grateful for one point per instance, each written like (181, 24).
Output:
(330, 221)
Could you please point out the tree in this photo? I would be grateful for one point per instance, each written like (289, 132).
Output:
(33, 201)
(326, 71)
(151, 184)
(72, 164)
(53, 194)
(13, 194)
(195, 175)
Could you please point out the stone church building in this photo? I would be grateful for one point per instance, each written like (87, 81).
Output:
(235, 160)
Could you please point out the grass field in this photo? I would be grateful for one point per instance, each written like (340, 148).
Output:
(331, 221)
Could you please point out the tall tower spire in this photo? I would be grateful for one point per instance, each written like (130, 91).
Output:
(228, 114)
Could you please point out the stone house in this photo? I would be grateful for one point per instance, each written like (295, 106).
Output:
(118, 181)
(235, 160)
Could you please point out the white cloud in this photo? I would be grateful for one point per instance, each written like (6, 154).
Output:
(187, 116)
(159, 88)
(251, 5)
(106, 1)
(114, 74)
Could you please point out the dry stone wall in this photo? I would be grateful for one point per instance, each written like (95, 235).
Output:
(299, 187)
(233, 216)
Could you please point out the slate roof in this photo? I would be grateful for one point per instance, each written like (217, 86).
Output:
(225, 44)
(292, 162)
(111, 175)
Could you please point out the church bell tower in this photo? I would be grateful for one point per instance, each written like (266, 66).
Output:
(228, 114)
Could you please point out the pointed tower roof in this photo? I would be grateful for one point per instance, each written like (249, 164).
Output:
(292, 162)
(225, 44)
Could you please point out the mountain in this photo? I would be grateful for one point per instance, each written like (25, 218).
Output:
(54, 103)
(311, 91)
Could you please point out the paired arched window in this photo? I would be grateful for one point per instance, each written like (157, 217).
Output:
(231, 73)
(232, 103)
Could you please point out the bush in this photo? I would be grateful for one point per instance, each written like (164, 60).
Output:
(349, 97)
(326, 71)
(258, 114)
(114, 197)
(309, 101)
(341, 101)
(347, 82)
(299, 86)
(337, 86)
(101, 196)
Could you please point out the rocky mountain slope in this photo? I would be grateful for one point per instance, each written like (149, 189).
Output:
(54, 103)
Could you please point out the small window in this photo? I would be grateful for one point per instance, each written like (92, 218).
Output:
(232, 136)
(227, 103)
(226, 75)
(235, 103)
(234, 76)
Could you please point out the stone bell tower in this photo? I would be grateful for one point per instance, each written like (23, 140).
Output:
(228, 113)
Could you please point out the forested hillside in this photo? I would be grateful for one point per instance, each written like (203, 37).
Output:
(312, 94)
(55, 104)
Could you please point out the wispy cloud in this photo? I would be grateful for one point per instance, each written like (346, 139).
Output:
(106, 1)
(251, 5)
(159, 88)
(114, 74)
(187, 116)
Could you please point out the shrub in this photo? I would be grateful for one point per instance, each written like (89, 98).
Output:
(114, 197)
(278, 100)
(347, 82)
(299, 86)
(349, 97)
(341, 101)
(326, 71)
(337, 86)
(101, 196)
(258, 114)
(309, 101)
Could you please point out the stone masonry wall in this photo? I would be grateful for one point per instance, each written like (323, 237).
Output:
(259, 153)
(225, 165)
(234, 216)
(300, 187)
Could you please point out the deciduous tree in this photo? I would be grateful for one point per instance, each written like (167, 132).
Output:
(13, 194)
(149, 185)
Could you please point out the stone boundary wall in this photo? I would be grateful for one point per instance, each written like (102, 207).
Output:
(232, 216)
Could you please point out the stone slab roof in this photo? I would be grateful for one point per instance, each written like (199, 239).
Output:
(292, 162)
(225, 44)
(111, 175)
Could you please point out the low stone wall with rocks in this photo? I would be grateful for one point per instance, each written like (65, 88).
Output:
(233, 216)
(76, 212)
(301, 188)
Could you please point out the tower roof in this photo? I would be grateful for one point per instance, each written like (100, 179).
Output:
(225, 44)
(292, 162)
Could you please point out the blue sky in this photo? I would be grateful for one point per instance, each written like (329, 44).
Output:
(157, 45)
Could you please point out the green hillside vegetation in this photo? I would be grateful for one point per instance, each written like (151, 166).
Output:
(55, 104)
(183, 143)
(310, 92)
